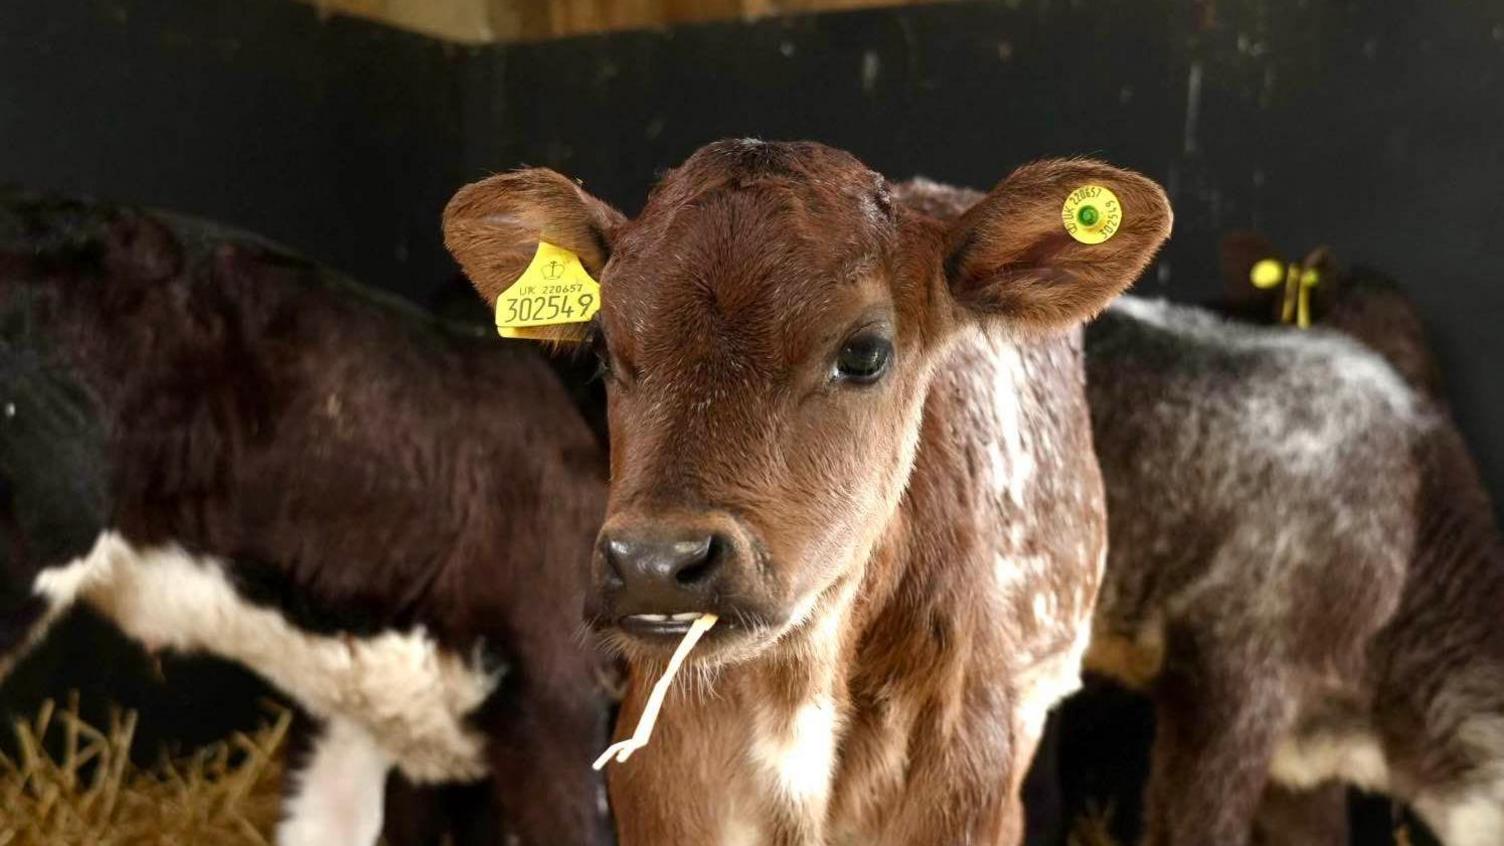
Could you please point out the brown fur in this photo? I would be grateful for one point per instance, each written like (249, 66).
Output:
(878, 582)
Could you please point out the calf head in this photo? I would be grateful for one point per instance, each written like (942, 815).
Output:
(768, 329)
(1244, 252)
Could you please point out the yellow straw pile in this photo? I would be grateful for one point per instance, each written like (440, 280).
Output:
(226, 794)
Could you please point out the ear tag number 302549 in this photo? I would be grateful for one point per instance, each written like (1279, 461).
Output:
(554, 289)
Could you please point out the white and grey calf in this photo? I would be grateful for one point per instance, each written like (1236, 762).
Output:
(1304, 574)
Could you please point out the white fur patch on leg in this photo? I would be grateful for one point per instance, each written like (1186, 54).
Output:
(338, 797)
(1304, 761)
(1471, 818)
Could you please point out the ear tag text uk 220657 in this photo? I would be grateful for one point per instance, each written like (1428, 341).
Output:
(555, 288)
(1092, 214)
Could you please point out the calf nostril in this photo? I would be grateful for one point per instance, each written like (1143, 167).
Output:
(618, 552)
(699, 561)
(649, 566)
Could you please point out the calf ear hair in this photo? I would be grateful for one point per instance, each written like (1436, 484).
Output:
(492, 227)
(1010, 259)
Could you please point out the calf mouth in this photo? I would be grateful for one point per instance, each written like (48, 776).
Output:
(658, 625)
(738, 635)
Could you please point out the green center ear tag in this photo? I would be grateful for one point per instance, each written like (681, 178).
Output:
(554, 289)
(1092, 214)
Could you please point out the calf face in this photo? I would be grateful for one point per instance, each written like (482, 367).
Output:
(768, 328)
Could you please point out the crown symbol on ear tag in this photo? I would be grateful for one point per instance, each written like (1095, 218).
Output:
(554, 289)
(1092, 214)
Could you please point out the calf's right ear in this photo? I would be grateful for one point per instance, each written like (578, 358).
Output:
(492, 227)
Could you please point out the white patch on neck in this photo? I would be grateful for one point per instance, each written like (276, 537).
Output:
(1010, 463)
(799, 754)
(339, 795)
(410, 696)
(741, 832)
(1042, 686)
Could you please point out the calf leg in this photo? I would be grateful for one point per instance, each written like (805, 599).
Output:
(337, 795)
(1303, 817)
(1220, 709)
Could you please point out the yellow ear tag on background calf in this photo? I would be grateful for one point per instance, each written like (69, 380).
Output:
(1092, 214)
(554, 289)
(1298, 282)
(1267, 273)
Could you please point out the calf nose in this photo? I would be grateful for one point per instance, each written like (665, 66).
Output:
(665, 573)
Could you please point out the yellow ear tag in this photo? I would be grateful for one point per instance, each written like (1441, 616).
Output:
(1267, 273)
(1309, 278)
(554, 289)
(1092, 214)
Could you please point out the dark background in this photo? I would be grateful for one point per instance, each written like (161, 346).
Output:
(1374, 127)
(1370, 125)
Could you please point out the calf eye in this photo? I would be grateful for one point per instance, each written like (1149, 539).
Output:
(863, 359)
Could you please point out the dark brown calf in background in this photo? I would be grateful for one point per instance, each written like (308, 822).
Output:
(848, 419)
(1358, 301)
(223, 448)
(1305, 576)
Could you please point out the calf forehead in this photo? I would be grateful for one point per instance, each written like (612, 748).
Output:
(764, 270)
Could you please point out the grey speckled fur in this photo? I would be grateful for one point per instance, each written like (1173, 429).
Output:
(1304, 574)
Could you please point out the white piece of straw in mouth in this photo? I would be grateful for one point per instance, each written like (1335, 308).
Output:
(623, 749)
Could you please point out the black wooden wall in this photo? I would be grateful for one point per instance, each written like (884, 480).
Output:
(1371, 125)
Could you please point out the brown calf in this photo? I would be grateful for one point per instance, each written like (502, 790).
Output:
(849, 420)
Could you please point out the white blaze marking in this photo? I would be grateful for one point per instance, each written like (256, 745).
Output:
(410, 696)
(339, 796)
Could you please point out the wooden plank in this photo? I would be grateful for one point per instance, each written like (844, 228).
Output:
(485, 21)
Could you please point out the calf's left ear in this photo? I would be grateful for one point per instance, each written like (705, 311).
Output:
(1044, 250)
